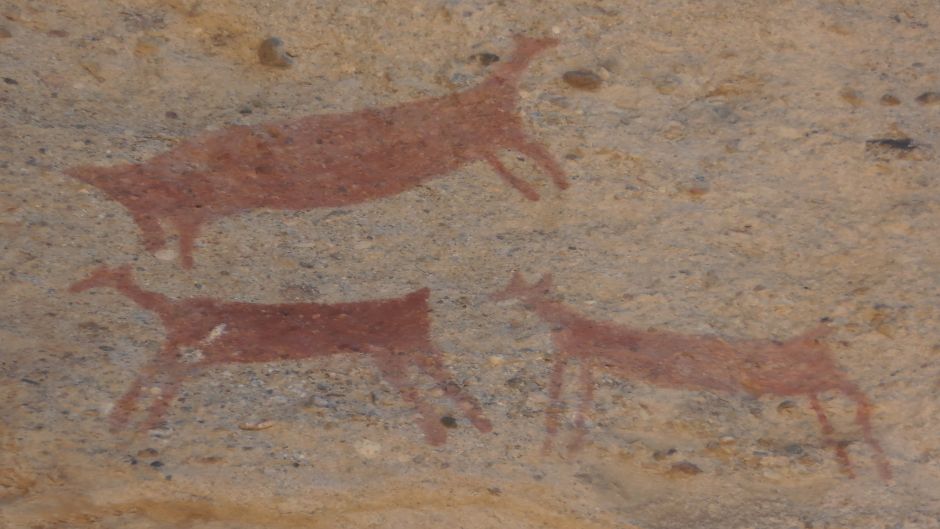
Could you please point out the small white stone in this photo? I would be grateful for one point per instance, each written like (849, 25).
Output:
(165, 254)
(367, 449)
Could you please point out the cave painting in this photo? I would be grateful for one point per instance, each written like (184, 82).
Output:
(327, 160)
(798, 366)
(202, 332)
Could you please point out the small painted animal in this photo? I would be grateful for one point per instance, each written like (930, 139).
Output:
(799, 366)
(327, 160)
(394, 333)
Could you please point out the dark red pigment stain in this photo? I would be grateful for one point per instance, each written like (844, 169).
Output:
(327, 160)
(798, 366)
(202, 332)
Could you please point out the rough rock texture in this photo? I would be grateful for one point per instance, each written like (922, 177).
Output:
(743, 170)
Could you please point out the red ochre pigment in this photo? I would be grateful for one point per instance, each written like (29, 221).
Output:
(327, 160)
(799, 366)
(394, 333)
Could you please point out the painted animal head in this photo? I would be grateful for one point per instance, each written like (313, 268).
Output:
(135, 188)
(113, 180)
(105, 277)
(528, 293)
(526, 49)
(528, 46)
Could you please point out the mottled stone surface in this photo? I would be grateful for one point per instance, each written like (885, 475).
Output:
(741, 170)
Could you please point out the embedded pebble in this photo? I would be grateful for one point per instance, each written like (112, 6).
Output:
(852, 97)
(890, 100)
(582, 79)
(929, 98)
(685, 467)
(272, 53)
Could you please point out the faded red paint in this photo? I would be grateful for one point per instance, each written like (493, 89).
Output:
(394, 333)
(327, 160)
(799, 366)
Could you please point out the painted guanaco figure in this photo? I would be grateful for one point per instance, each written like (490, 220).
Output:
(327, 160)
(394, 333)
(800, 366)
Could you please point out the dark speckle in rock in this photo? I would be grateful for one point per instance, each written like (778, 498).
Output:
(929, 98)
(904, 144)
(171, 115)
(58, 33)
(659, 455)
(448, 421)
(271, 53)
(794, 449)
(885, 149)
(486, 59)
(245, 111)
(9, 80)
(156, 464)
(582, 79)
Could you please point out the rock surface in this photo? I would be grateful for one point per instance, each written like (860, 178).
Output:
(746, 171)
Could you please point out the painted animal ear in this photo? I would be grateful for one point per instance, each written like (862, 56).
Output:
(545, 283)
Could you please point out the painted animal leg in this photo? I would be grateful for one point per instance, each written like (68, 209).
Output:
(188, 231)
(435, 368)
(522, 186)
(151, 232)
(828, 432)
(555, 405)
(587, 399)
(544, 160)
(863, 419)
(395, 372)
(162, 402)
(127, 404)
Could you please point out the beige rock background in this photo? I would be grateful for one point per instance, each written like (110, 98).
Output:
(721, 184)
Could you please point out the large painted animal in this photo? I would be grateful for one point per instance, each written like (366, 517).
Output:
(800, 366)
(327, 160)
(202, 332)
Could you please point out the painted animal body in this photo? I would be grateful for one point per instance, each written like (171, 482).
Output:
(327, 160)
(394, 333)
(799, 366)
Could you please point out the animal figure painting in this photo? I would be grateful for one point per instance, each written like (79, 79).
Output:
(327, 160)
(800, 366)
(393, 333)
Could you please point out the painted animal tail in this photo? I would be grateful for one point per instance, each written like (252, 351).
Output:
(518, 288)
